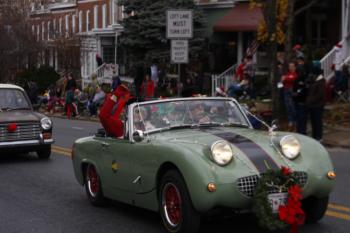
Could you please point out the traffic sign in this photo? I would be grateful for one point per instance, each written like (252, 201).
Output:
(179, 51)
(179, 24)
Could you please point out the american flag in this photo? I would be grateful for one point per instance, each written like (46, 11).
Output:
(252, 48)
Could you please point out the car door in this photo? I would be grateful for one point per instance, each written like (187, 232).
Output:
(116, 168)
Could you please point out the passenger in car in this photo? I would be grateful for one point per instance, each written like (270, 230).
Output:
(110, 119)
(142, 119)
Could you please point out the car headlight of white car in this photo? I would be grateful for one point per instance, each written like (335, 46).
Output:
(221, 152)
(290, 146)
(46, 123)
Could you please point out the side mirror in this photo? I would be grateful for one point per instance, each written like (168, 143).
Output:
(138, 136)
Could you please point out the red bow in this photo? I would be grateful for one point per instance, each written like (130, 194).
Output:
(12, 127)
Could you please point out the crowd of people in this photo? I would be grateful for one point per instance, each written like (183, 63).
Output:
(303, 90)
(302, 87)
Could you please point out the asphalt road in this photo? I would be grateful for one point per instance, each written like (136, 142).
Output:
(43, 197)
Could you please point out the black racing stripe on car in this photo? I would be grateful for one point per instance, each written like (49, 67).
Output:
(259, 157)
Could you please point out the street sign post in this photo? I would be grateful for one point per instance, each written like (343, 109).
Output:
(179, 28)
(179, 24)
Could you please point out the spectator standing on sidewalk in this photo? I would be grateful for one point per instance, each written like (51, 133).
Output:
(299, 93)
(69, 103)
(315, 101)
(298, 52)
(288, 83)
(71, 83)
(147, 87)
(249, 74)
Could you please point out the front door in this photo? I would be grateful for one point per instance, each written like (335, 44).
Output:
(116, 168)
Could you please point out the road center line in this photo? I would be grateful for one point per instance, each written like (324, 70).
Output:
(337, 215)
(339, 207)
(61, 148)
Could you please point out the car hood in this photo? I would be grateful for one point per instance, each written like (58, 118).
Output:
(252, 147)
(19, 116)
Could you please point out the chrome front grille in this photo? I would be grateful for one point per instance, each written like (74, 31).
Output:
(247, 184)
(24, 131)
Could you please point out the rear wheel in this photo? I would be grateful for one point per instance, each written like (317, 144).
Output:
(176, 209)
(93, 186)
(44, 152)
(314, 208)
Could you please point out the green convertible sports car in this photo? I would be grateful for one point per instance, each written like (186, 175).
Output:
(185, 157)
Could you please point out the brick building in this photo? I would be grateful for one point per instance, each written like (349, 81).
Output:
(74, 31)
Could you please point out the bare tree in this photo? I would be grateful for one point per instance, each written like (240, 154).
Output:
(17, 42)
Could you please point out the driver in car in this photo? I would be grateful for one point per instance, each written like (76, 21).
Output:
(198, 114)
(111, 110)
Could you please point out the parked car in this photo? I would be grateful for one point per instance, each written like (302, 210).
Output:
(21, 128)
(187, 156)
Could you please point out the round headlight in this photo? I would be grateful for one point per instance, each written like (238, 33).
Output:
(46, 123)
(221, 152)
(290, 146)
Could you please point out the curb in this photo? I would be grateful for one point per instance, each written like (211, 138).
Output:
(73, 118)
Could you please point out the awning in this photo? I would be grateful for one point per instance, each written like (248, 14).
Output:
(240, 18)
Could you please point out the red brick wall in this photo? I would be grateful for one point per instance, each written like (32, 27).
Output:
(81, 6)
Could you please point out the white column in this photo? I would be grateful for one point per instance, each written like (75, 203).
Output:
(43, 30)
(104, 15)
(38, 32)
(56, 60)
(80, 21)
(48, 30)
(73, 23)
(96, 17)
(87, 21)
(60, 26)
(54, 28)
(51, 54)
(92, 67)
(240, 47)
(67, 26)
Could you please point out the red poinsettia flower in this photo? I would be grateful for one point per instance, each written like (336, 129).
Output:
(282, 212)
(295, 192)
(286, 171)
(300, 218)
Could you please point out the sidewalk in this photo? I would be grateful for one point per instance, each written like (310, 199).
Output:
(337, 137)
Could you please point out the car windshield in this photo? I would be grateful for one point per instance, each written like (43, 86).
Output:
(155, 116)
(11, 99)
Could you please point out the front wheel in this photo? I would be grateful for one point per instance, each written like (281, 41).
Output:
(314, 208)
(44, 152)
(93, 186)
(176, 209)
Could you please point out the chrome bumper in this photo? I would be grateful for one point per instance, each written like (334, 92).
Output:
(23, 143)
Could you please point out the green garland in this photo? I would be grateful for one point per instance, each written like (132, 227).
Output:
(283, 179)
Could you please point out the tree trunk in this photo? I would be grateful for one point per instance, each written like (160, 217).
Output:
(270, 12)
(289, 30)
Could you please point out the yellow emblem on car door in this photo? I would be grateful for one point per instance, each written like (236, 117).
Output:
(115, 166)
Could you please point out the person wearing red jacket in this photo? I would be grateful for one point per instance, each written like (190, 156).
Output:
(239, 73)
(147, 87)
(288, 83)
(111, 120)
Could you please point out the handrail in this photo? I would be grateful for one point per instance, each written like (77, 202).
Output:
(327, 62)
(224, 79)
